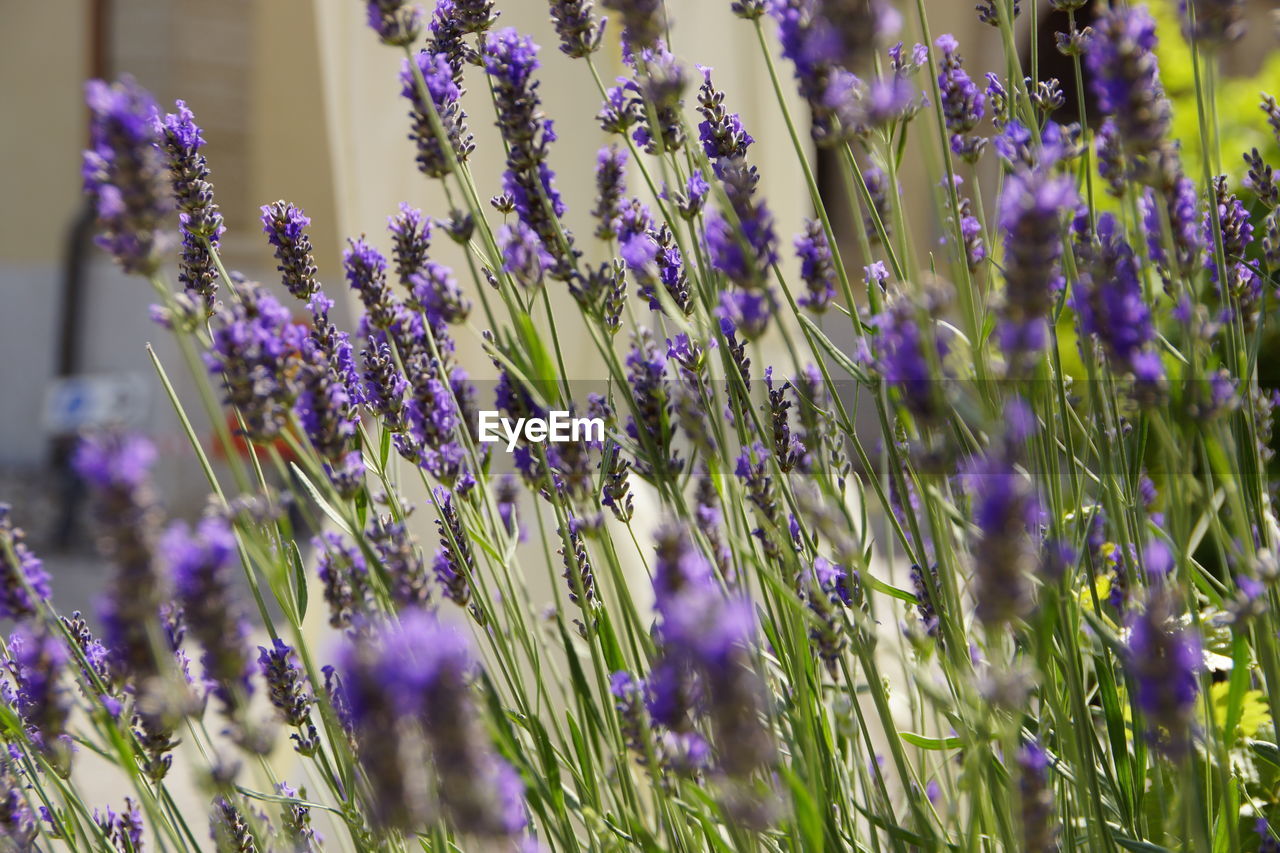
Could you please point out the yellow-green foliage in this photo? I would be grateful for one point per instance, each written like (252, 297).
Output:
(1241, 125)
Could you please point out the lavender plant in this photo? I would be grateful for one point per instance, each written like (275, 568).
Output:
(973, 551)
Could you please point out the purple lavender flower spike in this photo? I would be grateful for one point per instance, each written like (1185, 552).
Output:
(643, 22)
(442, 87)
(963, 103)
(255, 352)
(1035, 793)
(721, 132)
(345, 575)
(1005, 511)
(1108, 297)
(117, 471)
(366, 271)
(813, 48)
(202, 562)
(474, 16)
(410, 242)
(124, 174)
(295, 822)
(435, 292)
(1164, 659)
(290, 693)
(1126, 78)
(36, 663)
(611, 184)
(704, 632)
(396, 22)
(401, 559)
(455, 561)
(989, 11)
(817, 269)
(285, 226)
(1031, 207)
(580, 31)
(410, 691)
(25, 583)
(198, 218)
(859, 27)
(901, 358)
(746, 251)
(523, 255)
(123, 830)
(656, 90)
(510, 60)
(384, 386)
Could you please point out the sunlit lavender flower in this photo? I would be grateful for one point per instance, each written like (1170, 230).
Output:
(285, 227)
(202, 562)
(366, 271)
(1108, 298)
(255, 351)
(1031, 208)
(1261, 178)
(289, 692)
(1216, 21)
(643, 22)
(743, 247)
(610, 186)
(1164, 658)
(36, 663)
(402, 562)
(702, 629)
(580, 31)
(510, 60)
(124, 174)
(25, 583)
(396, 22)
(901, 358)
(410, 242)
(445, 100)
(963, 103)
(721, 132)
(345, 575)
(384, 386)
(1126, 78)
(523, 254)
(198, 218)
(328, 416)
(577, 569)
(813, 48)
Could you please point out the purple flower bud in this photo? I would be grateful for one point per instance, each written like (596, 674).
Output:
(202, 562)
(36, 663)
(295, 823)
(442, 87)
(1006, 513)
(198, 218)
(287, 685)
(817, 268)
(402, 562)
(610, 186)
(256, 349)
(455, 561)
(963, 103)
(1126, 78)
(285, 226)
(579, 30)
(25, 583)
(643, 22)
(1035, 795)
(396, 22)
(1107, 297)
(1031, 208)
(124, 174)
